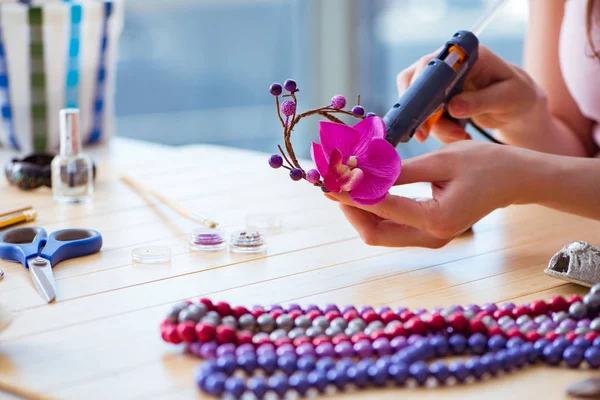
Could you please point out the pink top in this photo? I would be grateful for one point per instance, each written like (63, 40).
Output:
(580, 70)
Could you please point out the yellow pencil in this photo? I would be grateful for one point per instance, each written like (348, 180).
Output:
(14, 219)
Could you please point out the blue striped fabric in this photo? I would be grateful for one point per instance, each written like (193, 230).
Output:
(101, 78)
(5, 106)
(72, 79)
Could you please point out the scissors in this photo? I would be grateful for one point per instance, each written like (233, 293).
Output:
(39, 252)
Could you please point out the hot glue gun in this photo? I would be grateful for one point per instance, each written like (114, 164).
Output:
(425, 100)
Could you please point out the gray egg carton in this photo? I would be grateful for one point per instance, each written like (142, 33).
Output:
(577, 262)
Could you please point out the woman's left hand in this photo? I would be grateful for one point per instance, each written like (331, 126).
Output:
(469, 179)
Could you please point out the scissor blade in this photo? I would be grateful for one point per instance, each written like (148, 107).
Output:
(43, 279)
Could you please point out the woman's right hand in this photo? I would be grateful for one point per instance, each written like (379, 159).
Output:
(497, 95)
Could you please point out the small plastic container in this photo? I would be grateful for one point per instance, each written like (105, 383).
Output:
(247, 241)
(207, 239)
(151, 255)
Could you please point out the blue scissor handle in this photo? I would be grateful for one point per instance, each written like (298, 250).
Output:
(71, 243)
(20, 244)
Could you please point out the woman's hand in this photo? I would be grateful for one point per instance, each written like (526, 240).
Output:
(469, 179)
(497, 95)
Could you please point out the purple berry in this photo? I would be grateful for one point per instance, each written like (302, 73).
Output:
(290, 85)
(275, 89)
(313, 176)
(296, 174)
(288, 108)
(358, 110)
(276, 161)
(371, 114)
(338, 102)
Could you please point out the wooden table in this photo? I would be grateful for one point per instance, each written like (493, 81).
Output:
(100, 339)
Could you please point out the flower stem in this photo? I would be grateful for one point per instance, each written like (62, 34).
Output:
(278, 111)
(284, 156)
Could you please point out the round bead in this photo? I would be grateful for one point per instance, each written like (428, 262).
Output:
(358, 110)
(299, 382)
(285, 322)
(227, 363)
(235, 386)
(477, 343)
(475, 367)
(558, 303)
(523, 319)
(296, 174)
(552, 354)
(592, 356)
(595, 288)
(382, 346)
(514, 342)
(306, 363)
(314, 331)
(247, 362)
(371, 114)
(477, 326)
(337, 377)
(459, 371)
(225, 334)
(215, 383)
(436, 322)
(268, 362)
(458, 344)
(266, 323)
(338, 102)
(574, 299)
(278, 334)
(305, 349)
(416, 326)
(378, 375)
(595, 324)
(318, 380)
(296, 332)
(230, 320)
(325, 350)
(321, 322)
(458, 321)
(582, 342)
(538, 307)
(227, 348)
(419, 371)
(439, 344)
(592, 300)
(287, 363)
(258, 386)
(489, 362)
(290, 85)
(303, 322)
(358, 323)
(205, 332)
(288, 108)
(389, 316)
(247, 322)
(275, 161)
(578, 310)
(439, 371)
(573, 356)
(338, 323)
(275, 89)
(208, 350)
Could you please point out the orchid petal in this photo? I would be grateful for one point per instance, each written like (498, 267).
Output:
(319, 158)
(369, 129)
(381, 165)
(338, 136)
(366, 202)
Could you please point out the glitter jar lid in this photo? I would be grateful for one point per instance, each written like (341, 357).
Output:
(247, 242)
(151, 254)
(207, 239)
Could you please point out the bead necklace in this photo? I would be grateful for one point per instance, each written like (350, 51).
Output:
(313, 348)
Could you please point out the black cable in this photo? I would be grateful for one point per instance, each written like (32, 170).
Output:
(484, 132)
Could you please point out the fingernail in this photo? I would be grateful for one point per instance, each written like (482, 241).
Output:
(459, 107)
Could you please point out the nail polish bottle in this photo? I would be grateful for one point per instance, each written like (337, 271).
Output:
(72, 171)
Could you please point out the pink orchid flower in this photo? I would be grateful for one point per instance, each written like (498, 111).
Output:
(356, 159)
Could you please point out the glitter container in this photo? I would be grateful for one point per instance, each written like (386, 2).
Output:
(247, 242)
(151, 255)
(207, 239)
